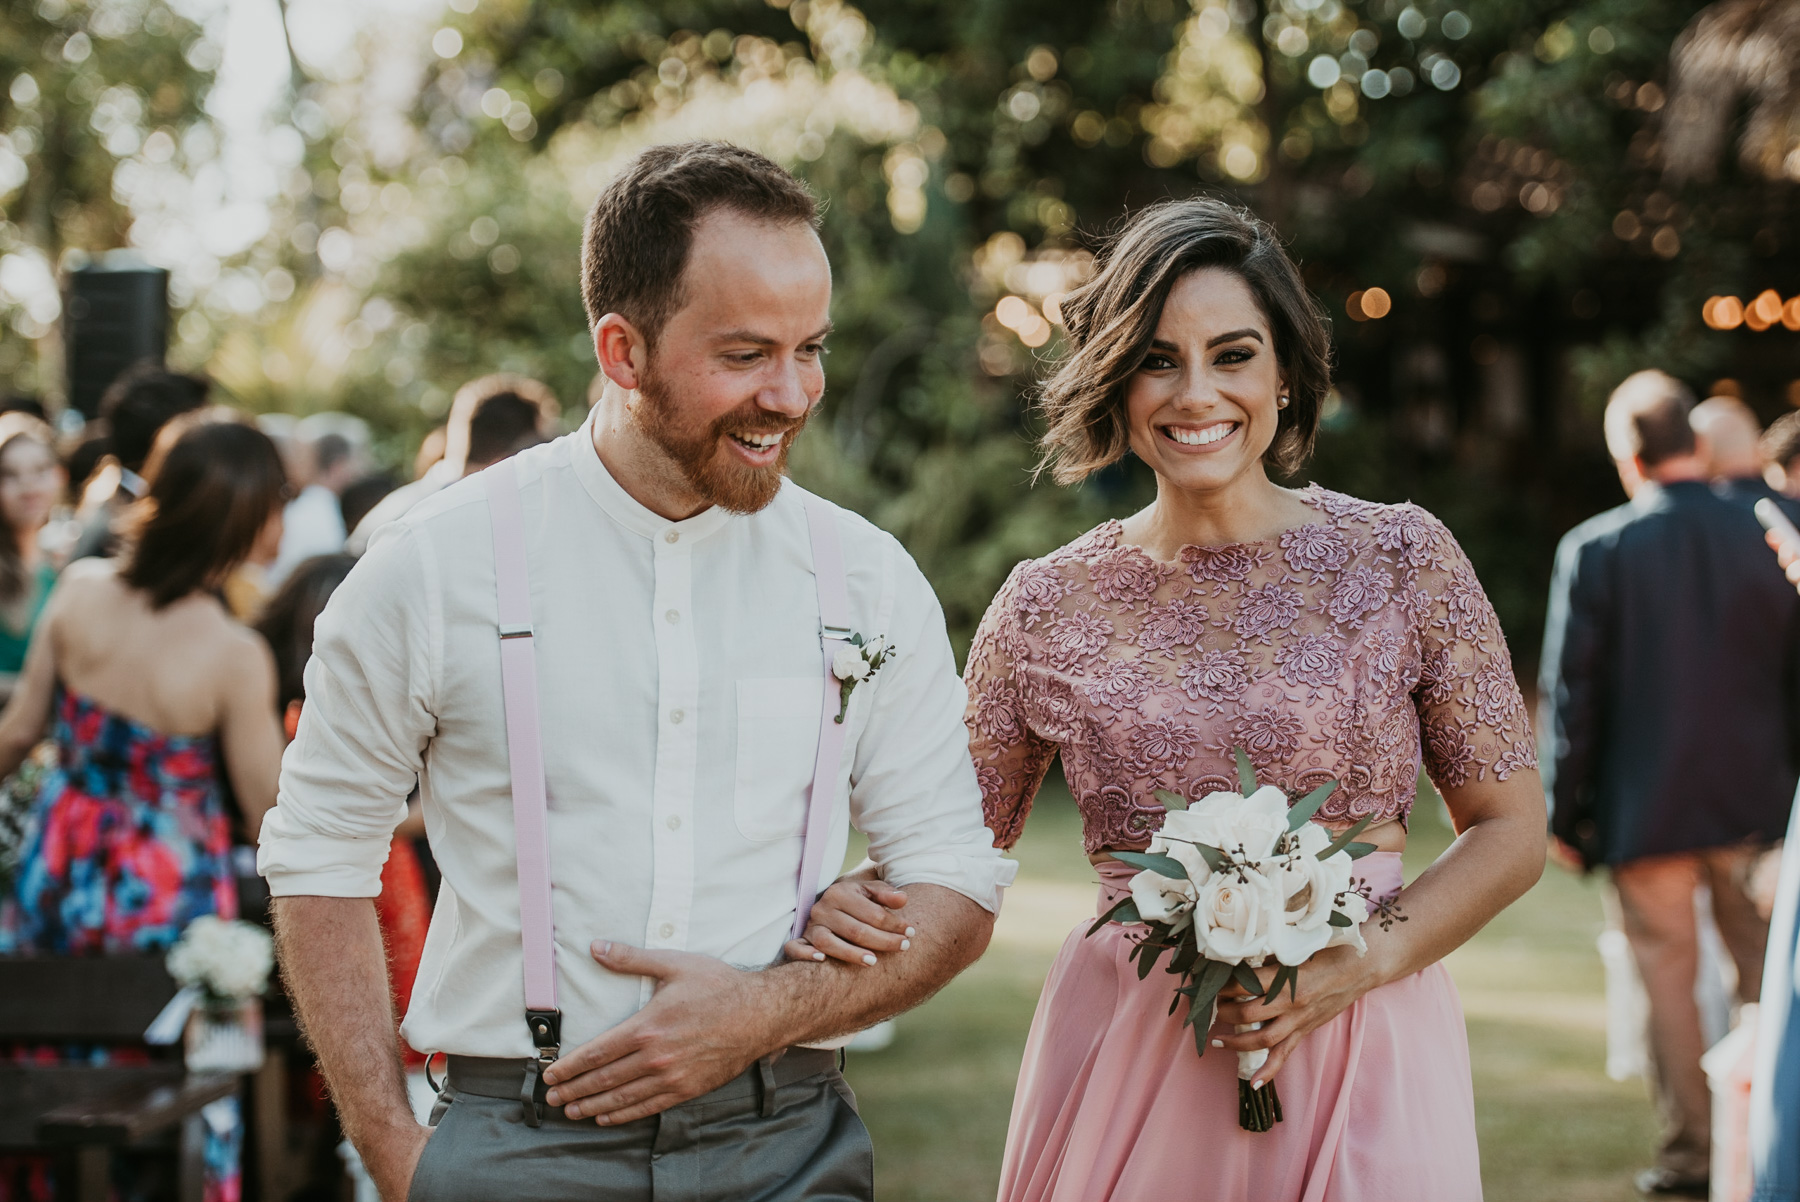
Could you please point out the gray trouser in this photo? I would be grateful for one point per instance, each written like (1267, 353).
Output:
(778, 1133)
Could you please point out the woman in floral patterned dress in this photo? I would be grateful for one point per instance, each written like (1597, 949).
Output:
(1331, 639)
(155, 699)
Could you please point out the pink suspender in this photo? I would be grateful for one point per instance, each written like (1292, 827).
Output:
(525, 752)
(834, 633)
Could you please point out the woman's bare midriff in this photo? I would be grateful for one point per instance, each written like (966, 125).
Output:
(1389, 836)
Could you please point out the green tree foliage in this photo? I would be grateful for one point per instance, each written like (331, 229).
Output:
(87, 91)
(1494, 167)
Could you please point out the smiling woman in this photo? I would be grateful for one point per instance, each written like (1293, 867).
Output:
(1329, 640)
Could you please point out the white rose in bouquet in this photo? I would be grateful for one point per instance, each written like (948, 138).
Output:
(1309, 889)
(1244, 828)
(1160, 898)
(1234, 914)
(1355, 907)
(1181, 849)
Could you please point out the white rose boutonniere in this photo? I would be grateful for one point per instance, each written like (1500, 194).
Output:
(855, 663)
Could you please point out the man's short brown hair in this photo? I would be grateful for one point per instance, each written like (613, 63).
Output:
(641, 229)
(1647, 418)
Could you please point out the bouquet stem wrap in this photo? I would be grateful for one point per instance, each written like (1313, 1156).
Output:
(1258, 1109)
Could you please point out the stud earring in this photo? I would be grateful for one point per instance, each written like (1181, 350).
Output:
(1281, 402)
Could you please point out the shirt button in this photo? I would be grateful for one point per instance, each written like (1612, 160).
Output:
(673, 616)
(673, 536)
(666, 930)
(674, 822)
(676, 716)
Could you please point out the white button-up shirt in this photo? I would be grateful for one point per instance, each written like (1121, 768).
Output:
(680, 691)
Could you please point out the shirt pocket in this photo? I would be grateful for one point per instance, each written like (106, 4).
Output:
(777, 740)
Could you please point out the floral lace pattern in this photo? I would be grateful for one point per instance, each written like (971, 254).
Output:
(1348, 649)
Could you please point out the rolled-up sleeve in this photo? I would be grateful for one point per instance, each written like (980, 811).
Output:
(913, 790)
(363, 732)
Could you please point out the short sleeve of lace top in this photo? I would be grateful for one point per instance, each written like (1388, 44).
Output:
(1010, 758)
(1471, 713)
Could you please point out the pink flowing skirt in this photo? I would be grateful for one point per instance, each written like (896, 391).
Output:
(1114, 1104)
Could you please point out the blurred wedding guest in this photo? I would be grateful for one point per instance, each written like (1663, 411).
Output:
(157, 702)
(313, 522)
(364, 494)
(402, 908)
(1781, 455)
(1669, 677)
(431, 452)
(134, 408)
(490, 419)
(1726, 436)
(31, 486)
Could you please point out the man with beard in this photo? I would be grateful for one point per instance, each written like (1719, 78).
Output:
(662, 640)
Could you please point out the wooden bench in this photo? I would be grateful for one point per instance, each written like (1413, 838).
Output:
(83, 1113)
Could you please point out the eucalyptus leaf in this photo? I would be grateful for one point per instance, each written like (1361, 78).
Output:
(1244, 975)
(1339, 920)
(1359, 850)
(1171, 801)
(1246, 773)
(1309, 805)
(1348, 837)
(1167, 866)
(1215, 859)
(1125, 911)
(1279, 980)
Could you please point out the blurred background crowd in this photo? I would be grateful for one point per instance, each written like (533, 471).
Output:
(349, 232)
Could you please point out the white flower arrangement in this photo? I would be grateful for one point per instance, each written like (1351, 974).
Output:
(225, 959)
(1232, 883)
(856, 662)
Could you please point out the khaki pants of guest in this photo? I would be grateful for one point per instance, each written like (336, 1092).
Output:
(1656, 901)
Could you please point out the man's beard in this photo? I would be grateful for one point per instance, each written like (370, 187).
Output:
(698, 451)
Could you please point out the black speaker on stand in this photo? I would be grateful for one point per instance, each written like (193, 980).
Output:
(113, 317)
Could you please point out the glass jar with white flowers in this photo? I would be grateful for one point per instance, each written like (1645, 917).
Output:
(223, 968)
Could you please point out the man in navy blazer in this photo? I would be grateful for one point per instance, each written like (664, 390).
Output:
(1670, 690)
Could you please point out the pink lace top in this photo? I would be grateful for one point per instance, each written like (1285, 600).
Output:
(1342, 650)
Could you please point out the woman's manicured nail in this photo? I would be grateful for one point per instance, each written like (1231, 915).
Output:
(905, 943)
(910, 932)
(1218, 1043)
(818, 955)
(1256, 1085)
(868, 958)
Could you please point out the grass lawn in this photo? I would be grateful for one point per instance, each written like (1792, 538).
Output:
(1553, 1128)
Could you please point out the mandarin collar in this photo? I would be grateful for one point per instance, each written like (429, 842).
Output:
(626, 509)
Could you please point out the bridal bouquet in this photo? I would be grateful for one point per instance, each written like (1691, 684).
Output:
(1230, 884)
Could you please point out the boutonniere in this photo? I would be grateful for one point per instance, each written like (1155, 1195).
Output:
(856, 663)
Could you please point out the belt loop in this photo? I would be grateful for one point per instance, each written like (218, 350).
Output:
(765, 1074)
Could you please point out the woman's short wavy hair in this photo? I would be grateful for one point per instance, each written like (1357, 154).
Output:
(1112, 318)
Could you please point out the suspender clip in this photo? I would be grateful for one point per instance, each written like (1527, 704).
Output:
(840, 633)
(508, 631)
(546, 1035)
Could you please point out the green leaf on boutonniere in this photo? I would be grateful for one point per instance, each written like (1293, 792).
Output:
(1162, 865)
(1348, 837)
(1125, 911)
(856, 640)
(1359, 850)
(1339, 920)
(1246, 773)
(1171, 801)
(1309, 805)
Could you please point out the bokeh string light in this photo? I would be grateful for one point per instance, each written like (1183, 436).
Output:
(1763, 312)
